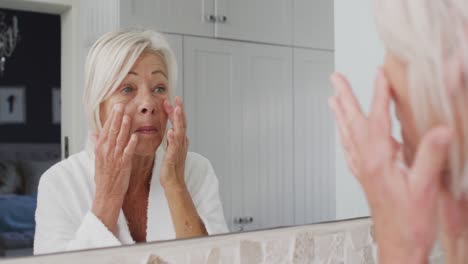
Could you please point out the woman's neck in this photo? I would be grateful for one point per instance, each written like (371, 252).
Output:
(140, 178)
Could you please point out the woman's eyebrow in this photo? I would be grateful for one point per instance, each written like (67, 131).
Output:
(152, 73)
(159, 71)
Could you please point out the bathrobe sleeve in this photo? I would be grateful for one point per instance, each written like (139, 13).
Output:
(204, 188)
(58, 225)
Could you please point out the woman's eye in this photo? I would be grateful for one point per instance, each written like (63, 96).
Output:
(127, 90)
(160, 89)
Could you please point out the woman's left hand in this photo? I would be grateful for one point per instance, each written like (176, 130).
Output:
(173, 164)
(185, 218)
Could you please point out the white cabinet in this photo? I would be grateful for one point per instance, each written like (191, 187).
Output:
(175, 16)
(314, 137)
(268, 21)
(212, 73)
(239, 99)
(302, 23)
(137, 13)
(176, 43)
(313, 24)
(267, 135)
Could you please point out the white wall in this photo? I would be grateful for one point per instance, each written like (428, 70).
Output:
(358, 52)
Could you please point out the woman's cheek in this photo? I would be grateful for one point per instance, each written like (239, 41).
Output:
(130, 108)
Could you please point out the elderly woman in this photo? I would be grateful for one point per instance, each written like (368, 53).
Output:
(425, 74)
(135, 181)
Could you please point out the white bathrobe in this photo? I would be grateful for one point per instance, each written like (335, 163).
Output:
(64, 220)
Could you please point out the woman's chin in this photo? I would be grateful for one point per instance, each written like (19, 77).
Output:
(146, 148)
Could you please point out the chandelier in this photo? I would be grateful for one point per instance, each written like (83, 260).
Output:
(8, 38)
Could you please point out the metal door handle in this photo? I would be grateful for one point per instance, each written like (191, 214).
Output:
(243, 220)
(211, 18)
(221, 19)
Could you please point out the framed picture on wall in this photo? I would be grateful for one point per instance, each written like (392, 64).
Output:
(12, 105)
(56, 106)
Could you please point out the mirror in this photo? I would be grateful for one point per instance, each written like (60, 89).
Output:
(253, 76)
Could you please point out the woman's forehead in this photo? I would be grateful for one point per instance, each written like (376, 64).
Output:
(149, 62)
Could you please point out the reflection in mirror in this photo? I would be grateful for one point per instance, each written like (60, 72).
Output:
(252, 114)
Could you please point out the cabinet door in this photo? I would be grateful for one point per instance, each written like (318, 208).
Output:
(268, 21)
(267, 136)
(238, 98)
(313, 24)
(212, 100)
(175, 41)
(172, 16)
(314, 152)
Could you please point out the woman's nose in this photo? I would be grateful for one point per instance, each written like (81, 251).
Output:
(147, 109)
(147, 105)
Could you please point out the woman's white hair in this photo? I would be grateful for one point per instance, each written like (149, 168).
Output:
(109, 61)
(431, 36)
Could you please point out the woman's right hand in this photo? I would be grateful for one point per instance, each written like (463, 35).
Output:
(403, 202)
(114, 149)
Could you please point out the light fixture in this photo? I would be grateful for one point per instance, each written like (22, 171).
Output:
(9, 36)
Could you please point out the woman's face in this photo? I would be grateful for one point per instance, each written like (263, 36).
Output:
(397, 76)
(142, 94)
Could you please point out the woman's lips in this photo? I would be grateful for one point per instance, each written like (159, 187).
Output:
(147, 130)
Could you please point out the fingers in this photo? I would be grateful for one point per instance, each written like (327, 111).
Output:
(380, 107)
(177, 117)
(130, 149)
(453, 213)
(124, 136)
(172, 147)
(178, 125)
(176, 134)
(178, 102)
(398, 152)
(106, 127)
(350, 115)
(169, 110)
(346, 98)
(343, 130)
(431, 157)
(115, 125)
